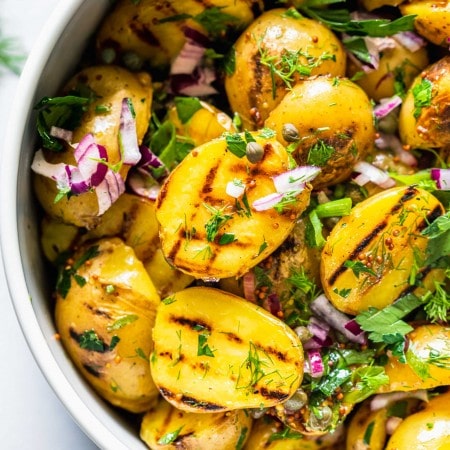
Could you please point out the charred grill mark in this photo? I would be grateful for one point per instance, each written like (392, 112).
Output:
(431, 216)
(195, 403)
(98, 312)
(193, 324)
(207, 187)
(358, 249)
(92, 370)
(410, 192)
(144, 34)
(174, 250)
(272, 352)
(233, 337)
(273, 394)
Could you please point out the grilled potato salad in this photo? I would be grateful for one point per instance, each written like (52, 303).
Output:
(246, 219)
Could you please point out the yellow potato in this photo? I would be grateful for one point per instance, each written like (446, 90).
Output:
(164, 427)
(105, 321)
(370, 254)
(196, 213)
(374, 4)
(111, 85)
(135, 33)
(214, 352)
(265, 53)
(425, 123)
(432, 19)
(428, 429)
(335, 126)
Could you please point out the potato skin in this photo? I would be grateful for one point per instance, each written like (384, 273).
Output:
(327, 111)
(249, 88)
(134, 28)
(431, 127)
(432, 19)
(111, 84)
(224, 431)
(394, 63)
(117, 302)
(428, 429)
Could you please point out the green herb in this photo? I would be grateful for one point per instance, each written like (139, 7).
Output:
(227, 238)
(242, 438)
(217, 220)
(288, 199)
(110, 289)
(336, 378)
(186, 107)
(267, 133)
(236, 144)
(438, 234)
(262, 247)
(90, 341)
(169, 300)
(203, 348)
(114, 341)
(344, 292)
(422, 94)
(437, 303)
(122, 322)
(169, 437)
(286, 433)
(417, 364)
(314, 235)
(334, 208)
(366, 381)
(398, 409)
(299, 279)
(65, 275)
(244, 208)
(358, 268)
(430, 425)
(352, 356)
(141, 354)
(357, 46)
(10, 57)
(229, 62)
(320, 153)
(368, 433)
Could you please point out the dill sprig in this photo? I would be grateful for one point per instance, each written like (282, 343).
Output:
(10, 56)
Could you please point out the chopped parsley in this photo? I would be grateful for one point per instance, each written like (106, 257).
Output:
(122, 322)
(203, 349)
(217, 220)
(320, 153)
(186, 107)
(358, 268)
(89, 340)
(422, 94)
(237, 144)
(368, 433)
(169, 437)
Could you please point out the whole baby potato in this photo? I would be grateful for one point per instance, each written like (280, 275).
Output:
(397, 64)
(333, 120)
(424, 120)
(265, 55)
(154, 31)
(432, 19)
(110, 85)
(105, 311)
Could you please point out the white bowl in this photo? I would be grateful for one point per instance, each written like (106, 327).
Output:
(51, 62)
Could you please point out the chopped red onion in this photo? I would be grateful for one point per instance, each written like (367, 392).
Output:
(321, 307)
(196, 36)
(315, 363)
(318, 328)
(57, 172)
(268, 201)
(272, 304)
(109, 190)
(373, 174)
(61, 133)
(391, 141)
(386, 106)
(196, 84)
(128, 141)
(150, 160)
(442, 178)
(381, 401)
(410, 40)
(315, 342)
(142, 183)
(235, 189)
(188, 59)
(295, 179)
(353, 326)
(249, 285)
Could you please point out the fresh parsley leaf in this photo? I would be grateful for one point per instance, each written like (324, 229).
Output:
(229, 62)
(357, 46)
(90, 341)
(358, 268)
(366, 381)
(169, 437)
(217, 220)
(368, 433)
(438, 233)
(422, 93)
(186, 107)
(417, 364)
(203, 349)
(215, 21)
(320, 153)
(122, 322)
(227, 238)
(337, 377)
(242, 438)
(169, 300)
(236, 144)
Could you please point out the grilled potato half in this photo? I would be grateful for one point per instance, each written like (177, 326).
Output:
(214, 352)
(375, 254)
(105, 311)
(208, 233)
(165, 427)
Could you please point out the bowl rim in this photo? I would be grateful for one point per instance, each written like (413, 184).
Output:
(89, 423)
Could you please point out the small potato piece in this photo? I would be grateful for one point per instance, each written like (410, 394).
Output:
(56, 238)
(432, 19)
(424, 120)
(135, 33)
(105, 323)
(214, 351)
(111, 85)
(385, 231)
(196, 213)
(428, 429)
(358, 436)
(396, 64)
(205, 124)
(424, 342)
(335, 125)
(218, 431)
(268, 48)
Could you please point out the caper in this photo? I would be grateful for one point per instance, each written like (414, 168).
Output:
(290, 132)
(296, 402)
(254, 152)
(132, 60)
(108, 55)
(303, 333)
(321, 423)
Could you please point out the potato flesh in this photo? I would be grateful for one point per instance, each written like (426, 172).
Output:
(257, 360)
(201, 179)
(222, 431)
(384, 231)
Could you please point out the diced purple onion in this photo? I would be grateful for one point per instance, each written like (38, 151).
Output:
(196, 36)
(442, 178)
(128, 135)
(410, 40)
(315, 342)
(295, 179)
(272, 304)
(142, 183)
(88, 155)
(392, 142)
(353, 326)
(57, 172)
(188, 59)
(373, 174)
(321, 307)
(381, 401)
(268, 201)
(386, 106)
(315, 363)
(61, 133)
(249, 286)
(150, 160)
(318, 328)
(196, 84)
(109, 190)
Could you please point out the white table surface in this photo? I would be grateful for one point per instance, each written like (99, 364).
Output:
(31, 416)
